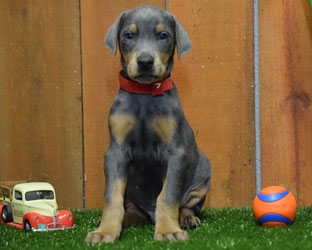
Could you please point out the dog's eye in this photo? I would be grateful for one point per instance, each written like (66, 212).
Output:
(128, 35)
(163, 36)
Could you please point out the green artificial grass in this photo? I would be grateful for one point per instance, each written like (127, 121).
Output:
(221, 229)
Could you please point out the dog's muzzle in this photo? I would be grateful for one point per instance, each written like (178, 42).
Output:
(145, 62)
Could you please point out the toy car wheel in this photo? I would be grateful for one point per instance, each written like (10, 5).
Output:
(28, 227)
(7, 214)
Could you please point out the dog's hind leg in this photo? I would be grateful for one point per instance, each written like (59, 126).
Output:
(190, 216)
(193, 200)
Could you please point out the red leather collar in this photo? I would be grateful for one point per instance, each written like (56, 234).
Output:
(156, 88)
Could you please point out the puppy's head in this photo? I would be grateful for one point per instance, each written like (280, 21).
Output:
(147, 37)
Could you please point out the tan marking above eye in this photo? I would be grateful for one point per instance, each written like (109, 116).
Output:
(160, 28)
(133, 28)
(121, 125)
(165, 127)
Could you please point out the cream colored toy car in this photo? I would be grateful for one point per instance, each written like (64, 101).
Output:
(32, 206)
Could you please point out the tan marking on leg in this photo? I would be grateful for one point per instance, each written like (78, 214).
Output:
(167, 219)
(160, 28)
(195, 197)
(121, 125)
(165, 127)
(133, 28)
(113, 213)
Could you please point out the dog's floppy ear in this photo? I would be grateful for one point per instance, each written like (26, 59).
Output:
(111, 38)
(182, 39)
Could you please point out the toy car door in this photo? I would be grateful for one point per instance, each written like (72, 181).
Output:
(17, 206)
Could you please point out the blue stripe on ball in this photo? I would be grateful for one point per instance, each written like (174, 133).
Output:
(272, 197)
(274, 218)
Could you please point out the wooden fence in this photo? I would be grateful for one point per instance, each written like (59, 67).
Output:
(57, 83)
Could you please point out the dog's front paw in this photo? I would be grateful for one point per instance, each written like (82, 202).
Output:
(189, 222)
(174, 236)
(99, 236)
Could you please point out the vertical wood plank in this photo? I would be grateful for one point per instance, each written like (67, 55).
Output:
(100, 76)
(216, 86)
(286, 112)
(40, 95)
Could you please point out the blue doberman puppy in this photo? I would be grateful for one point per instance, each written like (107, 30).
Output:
(154, 171)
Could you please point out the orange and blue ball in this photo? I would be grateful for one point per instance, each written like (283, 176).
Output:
(275, 206)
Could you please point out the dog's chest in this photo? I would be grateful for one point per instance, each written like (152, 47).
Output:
(143, 121)
(148, 128)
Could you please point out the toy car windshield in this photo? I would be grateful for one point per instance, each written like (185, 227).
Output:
(39, 195)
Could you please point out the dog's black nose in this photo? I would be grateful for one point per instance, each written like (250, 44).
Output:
(145, 62)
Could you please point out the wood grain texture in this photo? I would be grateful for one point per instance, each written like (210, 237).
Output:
(40, 95)
(286, 90)
(41, 104)
(100, 77)
(215, 82)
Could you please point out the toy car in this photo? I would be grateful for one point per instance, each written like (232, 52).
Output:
(32, 206)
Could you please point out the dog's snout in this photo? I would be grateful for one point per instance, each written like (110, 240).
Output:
(145, 62)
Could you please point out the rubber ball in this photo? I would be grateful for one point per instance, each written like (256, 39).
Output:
(275, 206)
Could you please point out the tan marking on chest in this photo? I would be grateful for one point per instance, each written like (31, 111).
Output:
(121, 125)
(165, 128)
